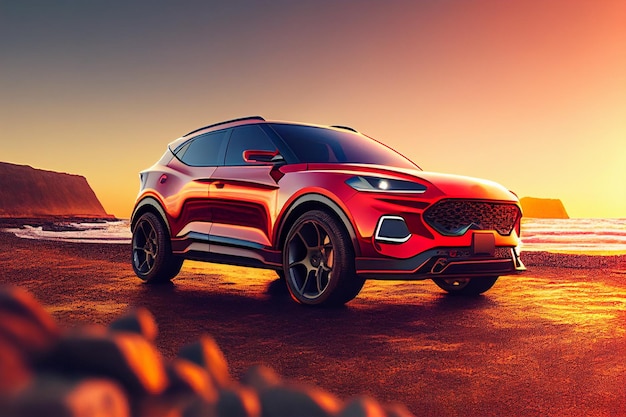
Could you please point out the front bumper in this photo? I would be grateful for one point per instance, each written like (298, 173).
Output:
(442, 263)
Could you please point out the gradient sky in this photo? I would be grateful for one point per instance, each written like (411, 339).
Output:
(531, 94)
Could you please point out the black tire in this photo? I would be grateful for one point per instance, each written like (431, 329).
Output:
(318, 261)
(152, 256)
(466, 286)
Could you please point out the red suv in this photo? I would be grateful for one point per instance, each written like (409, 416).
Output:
(326, 207)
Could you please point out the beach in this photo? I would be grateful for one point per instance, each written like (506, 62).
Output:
(547, 342)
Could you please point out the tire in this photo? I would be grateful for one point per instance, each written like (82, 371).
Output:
(318, 261)
(466, 286)
(152, 256)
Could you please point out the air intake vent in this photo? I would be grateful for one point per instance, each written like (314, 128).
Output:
(456, 217)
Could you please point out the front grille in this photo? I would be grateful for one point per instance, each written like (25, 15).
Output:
(455, 217)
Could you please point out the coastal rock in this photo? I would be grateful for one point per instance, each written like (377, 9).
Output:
(127, 358)
(292, 400)
(543, 208)
(53, 395)
(208, 355)
(25, 323)
(139, 321)
(26, 192)
(238, 402)
(190, 378)
(117, 371)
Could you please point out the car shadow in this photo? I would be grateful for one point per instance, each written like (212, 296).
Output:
(238, 318)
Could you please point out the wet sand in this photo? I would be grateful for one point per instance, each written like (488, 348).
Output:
(549, 342)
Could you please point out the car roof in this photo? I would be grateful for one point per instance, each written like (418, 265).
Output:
(233, 122)
(245, 121)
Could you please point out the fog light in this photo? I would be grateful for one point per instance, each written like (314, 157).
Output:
(392, 229)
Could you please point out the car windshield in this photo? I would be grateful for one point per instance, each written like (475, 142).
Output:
(318, 144)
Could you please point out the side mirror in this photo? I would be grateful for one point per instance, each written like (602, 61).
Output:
(272, 157)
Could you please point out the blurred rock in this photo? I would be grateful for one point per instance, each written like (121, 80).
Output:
(363, 407)
(126, 357)
(117, 371)
(24, 322)
(200, 408)
(165, 405)
(15, 372)
(260, 377)
(287, 401)
(189, 377)
(207, 354)
(238, 402)
(139, 321)
(56, 396)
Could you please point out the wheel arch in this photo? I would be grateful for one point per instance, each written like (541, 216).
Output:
(314, 202)
(149, 204)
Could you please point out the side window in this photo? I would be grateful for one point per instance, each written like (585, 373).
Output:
(250, 137)
(204, 150)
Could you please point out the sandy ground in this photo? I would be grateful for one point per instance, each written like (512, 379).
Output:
(551, 342)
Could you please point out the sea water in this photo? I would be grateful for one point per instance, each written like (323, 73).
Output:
(84, 232)
(593, 236)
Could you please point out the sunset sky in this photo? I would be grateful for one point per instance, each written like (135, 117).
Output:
(531, 94)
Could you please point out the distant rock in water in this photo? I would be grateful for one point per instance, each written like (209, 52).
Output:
(26, 192)
(543, 208)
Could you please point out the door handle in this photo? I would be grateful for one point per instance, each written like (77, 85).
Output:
(219, 185)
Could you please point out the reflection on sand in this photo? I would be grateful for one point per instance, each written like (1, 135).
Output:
(586, 306)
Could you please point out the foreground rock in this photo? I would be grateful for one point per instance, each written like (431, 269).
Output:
(117, 371)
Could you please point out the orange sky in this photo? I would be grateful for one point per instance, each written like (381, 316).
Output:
(531, 94)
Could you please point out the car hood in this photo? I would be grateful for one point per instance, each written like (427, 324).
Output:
(461, 186)
(455, 186)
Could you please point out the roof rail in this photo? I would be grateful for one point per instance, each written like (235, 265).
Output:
(225, 122)
(345, 128)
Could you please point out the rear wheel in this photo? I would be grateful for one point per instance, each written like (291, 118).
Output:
(152, 256)
(318, 261)
(465, 286)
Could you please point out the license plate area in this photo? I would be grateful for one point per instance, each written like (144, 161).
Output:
(484, 244)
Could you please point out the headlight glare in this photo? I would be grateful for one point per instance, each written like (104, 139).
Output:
(377, 184)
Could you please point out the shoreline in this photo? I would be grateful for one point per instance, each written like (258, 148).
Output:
(612, 262)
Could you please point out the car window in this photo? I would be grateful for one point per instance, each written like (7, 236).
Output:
(317, 144)
(250, 137)
(203, 150)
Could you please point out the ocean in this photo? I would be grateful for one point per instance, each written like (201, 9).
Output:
(590, 236)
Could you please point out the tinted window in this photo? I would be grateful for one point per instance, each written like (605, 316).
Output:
(204, 150)
(250, 137)
(317, 144)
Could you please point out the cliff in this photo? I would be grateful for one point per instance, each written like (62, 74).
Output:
(26, 192)
(543, 208)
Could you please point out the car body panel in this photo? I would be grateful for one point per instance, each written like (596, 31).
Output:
(240, 214)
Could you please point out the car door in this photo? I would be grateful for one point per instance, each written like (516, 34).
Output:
(243, 197)
(192, 169)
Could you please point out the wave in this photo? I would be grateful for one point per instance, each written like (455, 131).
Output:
(549, 235)
(105, 232)
(574, 235)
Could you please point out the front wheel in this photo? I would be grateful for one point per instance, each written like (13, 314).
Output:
(318, 261)
(465, 286)
(152, 256)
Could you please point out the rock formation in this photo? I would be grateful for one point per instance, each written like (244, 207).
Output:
(543, 208)
(26, 192)
(117, 371)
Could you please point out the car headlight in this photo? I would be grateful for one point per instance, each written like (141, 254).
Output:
(377, 184)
